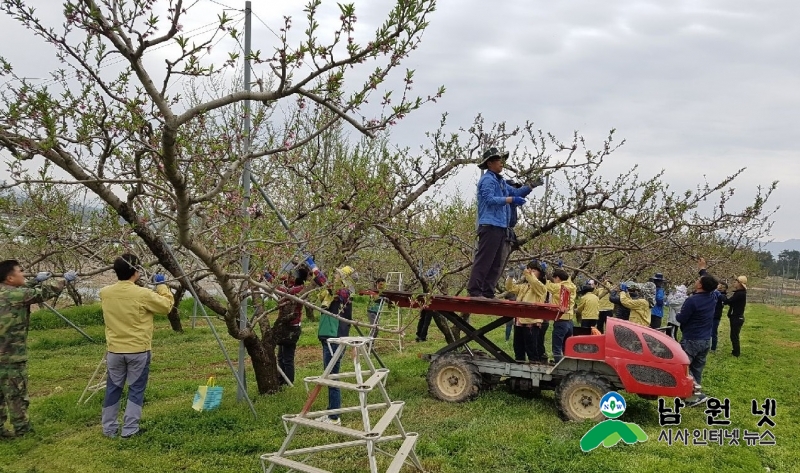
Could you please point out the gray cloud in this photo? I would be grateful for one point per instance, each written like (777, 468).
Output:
(697, 88)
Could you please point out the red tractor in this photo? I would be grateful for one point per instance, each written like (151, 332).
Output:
(629, 357)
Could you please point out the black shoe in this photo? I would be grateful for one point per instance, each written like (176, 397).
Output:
(8, 434)
(735, 354)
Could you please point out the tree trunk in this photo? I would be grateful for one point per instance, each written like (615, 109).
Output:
(444, 327)
(456, 330)
(265, 364)
(174, 316)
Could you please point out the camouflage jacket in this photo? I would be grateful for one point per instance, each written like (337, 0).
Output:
(15, 311)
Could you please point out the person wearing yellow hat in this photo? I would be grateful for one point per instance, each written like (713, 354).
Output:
(736, 303)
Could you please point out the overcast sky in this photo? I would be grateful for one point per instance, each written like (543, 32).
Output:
(699, 88)
(695, 87)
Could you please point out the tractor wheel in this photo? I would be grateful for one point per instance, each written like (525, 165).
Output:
(578, 396)
(454, 379)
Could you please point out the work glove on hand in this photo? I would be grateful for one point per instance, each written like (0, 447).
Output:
(623, 287)
(71, 276)
(537, 183)
(159, 278)
(518, 201)
(344, 296)
(42, 276)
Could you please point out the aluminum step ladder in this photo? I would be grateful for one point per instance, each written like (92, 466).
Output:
(371, 435)
(97, 382)
(390, 316)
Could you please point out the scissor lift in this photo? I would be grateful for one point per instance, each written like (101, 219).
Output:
(637, 359)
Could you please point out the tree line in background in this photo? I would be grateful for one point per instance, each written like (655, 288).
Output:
(786, 265)
(105, 160)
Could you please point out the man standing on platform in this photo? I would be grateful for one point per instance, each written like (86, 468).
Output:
(495, 200)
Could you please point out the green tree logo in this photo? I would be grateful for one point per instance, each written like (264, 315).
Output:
(609, 432)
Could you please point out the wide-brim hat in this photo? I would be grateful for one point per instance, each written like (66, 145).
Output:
(491, 153)
(743, 281)
(657, 277)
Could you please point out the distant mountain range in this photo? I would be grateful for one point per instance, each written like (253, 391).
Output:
(776, 247)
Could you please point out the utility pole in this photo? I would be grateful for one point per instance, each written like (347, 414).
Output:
(242, 387)
(546, 195)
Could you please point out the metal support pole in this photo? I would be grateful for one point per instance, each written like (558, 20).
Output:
(242, 391)
(271, 204)
(546, 195)
(182, 275)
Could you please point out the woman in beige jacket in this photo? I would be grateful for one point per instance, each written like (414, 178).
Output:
(527, 331)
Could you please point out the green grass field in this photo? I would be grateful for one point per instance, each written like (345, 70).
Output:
(499, 432)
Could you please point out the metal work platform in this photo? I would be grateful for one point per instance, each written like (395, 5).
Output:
(474, 305)
(447, 306)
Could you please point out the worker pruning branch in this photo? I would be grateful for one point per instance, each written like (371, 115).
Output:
(16, 297)
(496, 202)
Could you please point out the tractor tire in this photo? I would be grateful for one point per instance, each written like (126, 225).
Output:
(454, 378)
(578, 396)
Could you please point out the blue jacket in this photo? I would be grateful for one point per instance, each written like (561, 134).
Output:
(658, 309)
(697, 316)
(492, 206)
